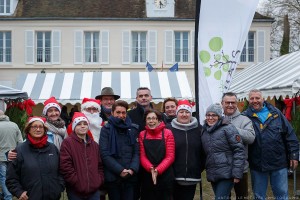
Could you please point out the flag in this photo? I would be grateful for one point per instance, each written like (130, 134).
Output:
(174, 68)
(221, 30)
(149, 67)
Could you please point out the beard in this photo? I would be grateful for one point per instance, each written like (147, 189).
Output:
(95, 124)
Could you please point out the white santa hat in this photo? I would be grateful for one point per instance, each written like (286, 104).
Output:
(35, 118)
(78, 117)
(184, 104)
(86, 103)
(51, 102)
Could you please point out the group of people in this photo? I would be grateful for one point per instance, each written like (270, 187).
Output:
(145, 154)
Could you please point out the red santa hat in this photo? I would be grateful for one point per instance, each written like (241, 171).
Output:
(86, 103)
(35, 118)
(184, 104)
(78, 117)
(51, 102)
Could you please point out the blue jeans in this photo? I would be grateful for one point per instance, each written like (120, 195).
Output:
(278, 181)
(72, 196)
(222, 189)
(7, 194)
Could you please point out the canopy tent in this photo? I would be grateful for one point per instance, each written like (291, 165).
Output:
(73, 87)
(273, 78)
(11, 93)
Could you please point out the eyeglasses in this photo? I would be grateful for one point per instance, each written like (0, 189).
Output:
(37, 127)
(211, 116)
(151, 118)
(227, 103)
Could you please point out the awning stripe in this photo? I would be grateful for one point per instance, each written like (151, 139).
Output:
(96, 86)
(75, 94)
(115, 82)
(38, 85)
(125, 85)
(86, 85)
(57, 86)
(164, 85)
(28, 84)
(135, 83)
(47, 86)
(155, 88)
(175, 90)
(144, 80)
(184, 85)
(106, 79)
(66, 86)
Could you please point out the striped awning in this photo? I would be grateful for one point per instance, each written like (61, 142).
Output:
(73, 87)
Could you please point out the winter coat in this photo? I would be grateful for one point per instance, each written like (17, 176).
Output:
(129, 158)
(188, 162)
(81, 165)
(275, 142)
(224, 150)
(35, 170)
(167, 119)
(245, 128)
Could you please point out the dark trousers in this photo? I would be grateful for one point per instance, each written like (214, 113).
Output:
(184, 192)
(73, 196)
(163, 194)
(241, 188)
(120, 190)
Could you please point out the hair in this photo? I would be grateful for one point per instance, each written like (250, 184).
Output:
(254, 91)
(158, 114)
(230, 94)
(120, 103)
(28, 126)
(143, 88)
(167, 100)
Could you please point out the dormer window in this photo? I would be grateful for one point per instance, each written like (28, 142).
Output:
(5, 7)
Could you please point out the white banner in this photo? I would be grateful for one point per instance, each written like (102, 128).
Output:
(223, 29)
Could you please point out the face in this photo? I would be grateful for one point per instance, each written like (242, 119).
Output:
(53, 113)
(120, 112)
(229, 105)
(211, 118)
(152, 121)
(81, 128)
(170, 108)
(37, 130)
(184, 116)
(256, 100)
(144, 97)
(107, 101)
(92, 110)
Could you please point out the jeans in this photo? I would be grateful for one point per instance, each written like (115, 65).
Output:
(7, 195)
(222, 188)
(73, 196)
(278, 181)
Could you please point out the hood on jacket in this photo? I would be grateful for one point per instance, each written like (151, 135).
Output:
(180, 126)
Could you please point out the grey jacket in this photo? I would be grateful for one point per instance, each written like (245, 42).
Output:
(10, 136)
(224, 150)
(245, 128)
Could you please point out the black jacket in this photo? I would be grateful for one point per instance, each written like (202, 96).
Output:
(137, 116)
(35, 171)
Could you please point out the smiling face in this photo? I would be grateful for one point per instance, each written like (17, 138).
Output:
(256, 100)
(81, 129)
(53, 113)
(211, 118)
(229, 104)
(152, 120)
(184, 116)
(170, 108)
(120, 112)
(37, 130)
(107, 101)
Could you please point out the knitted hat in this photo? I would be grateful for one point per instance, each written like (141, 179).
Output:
(51, 102)
(78, 117)
(35, 118)
(215, 108)
(86, 103)
(184, 104)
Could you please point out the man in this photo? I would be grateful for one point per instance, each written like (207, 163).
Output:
(108, 98)
(275, 148)
(245, 128)
(91, 109)
(143, 100)
(10, 136)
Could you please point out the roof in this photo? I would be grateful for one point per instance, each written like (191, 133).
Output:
(11, 93)
(274, 77)
(73, 87)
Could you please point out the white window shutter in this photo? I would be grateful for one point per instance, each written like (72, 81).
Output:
(260, 46)
(169, 52)
(29, 47)
(56, 44)
(104, 47)
(152, 46)
(126, 47)
(78, 47)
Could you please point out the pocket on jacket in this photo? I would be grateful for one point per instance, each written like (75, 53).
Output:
(221, 159)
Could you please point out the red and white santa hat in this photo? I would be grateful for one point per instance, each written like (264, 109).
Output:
(51, 102)
(35, 118)
(87, 102)
(78, 117)
(184, 104)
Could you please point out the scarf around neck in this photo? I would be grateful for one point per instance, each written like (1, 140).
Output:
(38, 144)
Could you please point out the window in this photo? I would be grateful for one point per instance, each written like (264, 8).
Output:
(43, 49)
(91, 47)
(248, 50)
(181, 46)
(5, 47)
(138, 47)
(4, 6)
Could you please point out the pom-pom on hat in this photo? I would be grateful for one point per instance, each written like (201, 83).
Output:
(35, 118)
(86, 103)
(215, 108)
(184, 104)
(78, 117)
(51, 102)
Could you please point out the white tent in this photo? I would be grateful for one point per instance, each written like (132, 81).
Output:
(11, 93)
(274, 78)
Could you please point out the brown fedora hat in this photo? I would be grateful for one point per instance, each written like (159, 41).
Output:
(107, 91)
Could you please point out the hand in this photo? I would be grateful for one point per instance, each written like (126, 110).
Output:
(130, 171)
(124, 173)
(154, 174)
(293, 164)
(23, 196)
(236, 180)
(11, 155)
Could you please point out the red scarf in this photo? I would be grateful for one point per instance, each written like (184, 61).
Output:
(38, 144)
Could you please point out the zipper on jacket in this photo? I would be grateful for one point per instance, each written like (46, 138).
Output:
(86, 165)
(186, 154)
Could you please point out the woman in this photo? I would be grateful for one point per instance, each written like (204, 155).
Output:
(80, 162)
(56, 125)
(157, 155)
(224, 150)
(188, 163)
(169, 109)
(34, 174)
(120, 153)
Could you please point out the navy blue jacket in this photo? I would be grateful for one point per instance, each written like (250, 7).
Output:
(275, 142)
